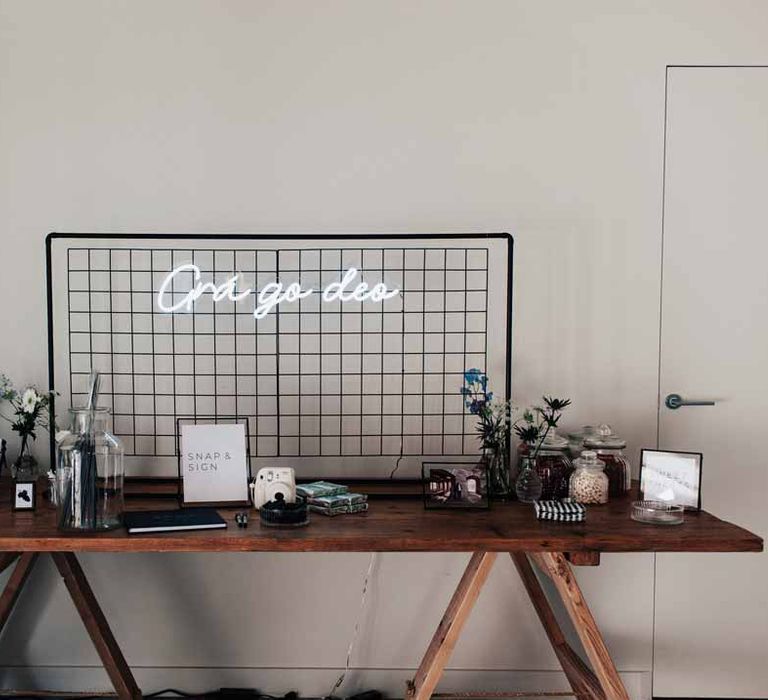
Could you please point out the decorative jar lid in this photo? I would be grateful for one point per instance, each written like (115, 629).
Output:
(582, 433)
(605, 439)
(554, 442)
(589, 460)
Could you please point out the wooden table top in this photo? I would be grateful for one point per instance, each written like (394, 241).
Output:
(396, 525)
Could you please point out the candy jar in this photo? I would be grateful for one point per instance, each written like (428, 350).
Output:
(609, 448)
(589, 484)
(553, 467)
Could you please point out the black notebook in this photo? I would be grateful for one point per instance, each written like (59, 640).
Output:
(172, 520)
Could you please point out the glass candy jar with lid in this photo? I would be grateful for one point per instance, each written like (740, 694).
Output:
(609, 447)
(589, 484)
(89, 474)
(553, 467)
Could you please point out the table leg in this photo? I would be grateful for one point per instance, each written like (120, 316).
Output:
(554, 565)
(444, 640)
(583, 682)
(15, 583)
(96, 623)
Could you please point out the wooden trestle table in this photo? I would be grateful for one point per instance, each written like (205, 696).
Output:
(395, 525)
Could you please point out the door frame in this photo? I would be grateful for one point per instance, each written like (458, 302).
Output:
(659, 402)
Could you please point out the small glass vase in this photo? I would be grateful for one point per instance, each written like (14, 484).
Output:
(497, 460)
(25, 466)
(528, 485)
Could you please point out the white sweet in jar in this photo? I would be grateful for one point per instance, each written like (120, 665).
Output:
(589, 484)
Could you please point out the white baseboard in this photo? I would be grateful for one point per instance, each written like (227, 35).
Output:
(311, 682)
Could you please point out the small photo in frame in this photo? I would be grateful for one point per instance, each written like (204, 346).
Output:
(24, 495)
(455, 485)
(672, 477)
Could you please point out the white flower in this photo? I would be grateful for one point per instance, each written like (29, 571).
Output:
(6, 389)
(29, 400)
(61, 435)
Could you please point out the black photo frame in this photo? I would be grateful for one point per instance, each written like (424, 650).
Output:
(455, 485)
(211, 420)
(23, 496)
(680, 497)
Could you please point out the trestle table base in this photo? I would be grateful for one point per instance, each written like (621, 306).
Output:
(601, 682)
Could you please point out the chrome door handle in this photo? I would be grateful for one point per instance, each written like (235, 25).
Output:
(674, 401)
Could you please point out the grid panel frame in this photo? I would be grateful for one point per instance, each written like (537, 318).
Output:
(375, 380)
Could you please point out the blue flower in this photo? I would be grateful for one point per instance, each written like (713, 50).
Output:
(476, 406)
(475, 376)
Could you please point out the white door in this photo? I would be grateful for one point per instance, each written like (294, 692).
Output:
(711, 617)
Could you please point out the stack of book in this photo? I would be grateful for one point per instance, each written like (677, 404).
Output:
(327, 498)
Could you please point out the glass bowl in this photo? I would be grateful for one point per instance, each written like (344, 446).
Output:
(657, 513)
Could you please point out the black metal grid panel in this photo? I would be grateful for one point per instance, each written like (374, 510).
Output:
(317, 378)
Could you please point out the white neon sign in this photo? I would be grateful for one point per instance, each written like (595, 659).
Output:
(271, 294)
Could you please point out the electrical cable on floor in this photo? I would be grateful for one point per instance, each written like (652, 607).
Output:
(169, 691)
(400, 457)
(347, 663)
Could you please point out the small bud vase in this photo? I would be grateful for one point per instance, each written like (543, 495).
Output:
(497, 460)
(25, 466)
(528, 486)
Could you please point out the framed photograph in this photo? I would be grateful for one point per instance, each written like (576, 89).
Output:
(214, 461)
(24, 495)
(672, 477)
(462, 485)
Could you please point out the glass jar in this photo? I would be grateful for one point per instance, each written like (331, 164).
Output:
(89, 474)
(609, 448)
(589, 483)
(554, 467)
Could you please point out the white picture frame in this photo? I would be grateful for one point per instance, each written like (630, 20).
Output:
(672, 477)
(24, 495)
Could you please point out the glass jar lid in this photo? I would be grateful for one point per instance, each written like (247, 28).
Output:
(582, 433)
(589, 460)
(554, 442)
(605, 439)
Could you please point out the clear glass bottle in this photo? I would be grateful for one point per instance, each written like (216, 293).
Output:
(89, 474)
(497, 461)
(554, 467)
(528, 484)
(609, 447)
(589, 483)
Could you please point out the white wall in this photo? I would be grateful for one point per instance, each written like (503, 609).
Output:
(539, 118)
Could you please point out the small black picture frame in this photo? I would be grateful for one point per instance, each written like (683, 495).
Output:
(24, 495)
(672, 476)
(455, 485)
(212, 420)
